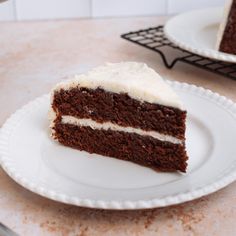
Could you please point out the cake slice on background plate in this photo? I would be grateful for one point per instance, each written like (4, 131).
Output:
(226, 37)
(122, 110)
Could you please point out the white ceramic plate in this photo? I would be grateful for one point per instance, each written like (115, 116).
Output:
(196, 32)
(43, 166)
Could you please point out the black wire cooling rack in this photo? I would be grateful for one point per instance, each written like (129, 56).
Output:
(154, 39)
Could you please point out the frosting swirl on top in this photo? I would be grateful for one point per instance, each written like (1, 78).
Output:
(136, 79)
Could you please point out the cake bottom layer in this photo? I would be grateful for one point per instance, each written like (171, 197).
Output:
(143, 150)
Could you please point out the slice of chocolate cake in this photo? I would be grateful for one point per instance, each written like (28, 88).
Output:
(226, 38)
(123, 110)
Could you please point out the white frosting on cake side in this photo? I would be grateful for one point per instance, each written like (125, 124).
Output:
(110, 126)
(136, 79)
(223, 23)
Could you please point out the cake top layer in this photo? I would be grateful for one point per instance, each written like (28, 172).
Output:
(136, 79)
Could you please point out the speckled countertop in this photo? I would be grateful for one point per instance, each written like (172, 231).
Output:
(36, 55)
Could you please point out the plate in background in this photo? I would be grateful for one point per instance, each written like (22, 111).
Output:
(196, 32)
(38, 163)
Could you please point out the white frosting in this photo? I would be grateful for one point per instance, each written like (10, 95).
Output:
(51, 116)
(223, 23)
(110, 126)
(136, 79)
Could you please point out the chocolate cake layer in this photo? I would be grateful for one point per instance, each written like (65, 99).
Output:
(228, 42)
(103, 106)
(143, 150)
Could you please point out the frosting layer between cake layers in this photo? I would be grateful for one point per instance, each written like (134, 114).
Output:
(136, 79)
(110, 126)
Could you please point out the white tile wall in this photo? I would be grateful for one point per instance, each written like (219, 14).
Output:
(50, 9)
(176, 6)
(103, 8)
(54, 9)
(7, 10)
